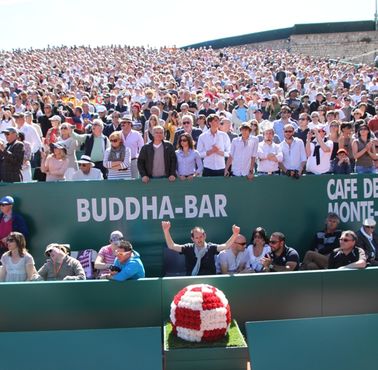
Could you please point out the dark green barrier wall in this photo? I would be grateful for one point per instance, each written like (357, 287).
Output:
(83, 214)
(146, 302)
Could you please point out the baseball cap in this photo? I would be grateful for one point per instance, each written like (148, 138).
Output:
(7, 200)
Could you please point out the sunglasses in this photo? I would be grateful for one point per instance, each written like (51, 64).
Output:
(114, 141)
(10, 240)
(370, 227)
(184, 140)
(83, 164)
(289, 131)
(241, 243)
(345, 240)
(186, 123)
(273, 241)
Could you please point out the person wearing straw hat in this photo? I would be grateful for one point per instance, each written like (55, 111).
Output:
(86, 170)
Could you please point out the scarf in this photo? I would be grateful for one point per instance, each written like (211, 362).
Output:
(117, 154)
(370, 240)
(199, 255)
(317, 151)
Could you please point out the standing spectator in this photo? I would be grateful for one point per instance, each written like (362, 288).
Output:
(17, 263)
(364, 150)
(239, 113)
(367, 239)
(11, 156)
(341, 164)
(26, 167)
(199, 255)
(115, 125)
(31, 135)
(318, 150)
(189, 163)
(117, 158)
(133, 140)
(345, 141)
(348, 255)
(187, 126)
(71, 146)
(95, 145)
(293, 153)
(278, 125)
(243, 154)
(44, 119)
(302, 131)
(55, 165)
(157, 159)
(225, 126)
(213, 146)
(269, 154)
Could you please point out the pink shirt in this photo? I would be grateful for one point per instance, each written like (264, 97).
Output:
(108, 257)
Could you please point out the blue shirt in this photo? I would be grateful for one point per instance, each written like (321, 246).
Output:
(132, 269)
(188, 164)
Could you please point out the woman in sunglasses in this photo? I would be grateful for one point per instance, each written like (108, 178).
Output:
(189, 163)
(17, 263)
(257, 249)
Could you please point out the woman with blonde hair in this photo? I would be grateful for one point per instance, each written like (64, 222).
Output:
(17, 263)
(117, 158)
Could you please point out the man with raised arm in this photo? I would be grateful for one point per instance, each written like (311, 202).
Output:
(199, 255)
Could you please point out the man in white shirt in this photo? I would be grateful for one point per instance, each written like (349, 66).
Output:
(269, 154)
(294, 154)
(214, 146)
(318, 150)
(132, 139)
(243, 153)
(31, 135)
(86, 170)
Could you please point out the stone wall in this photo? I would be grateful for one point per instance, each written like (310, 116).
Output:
(357, 47)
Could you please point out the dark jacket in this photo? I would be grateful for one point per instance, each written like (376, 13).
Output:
(11, 159)
(196, 132)
(146, 159)
(18, 224)
(363, 243)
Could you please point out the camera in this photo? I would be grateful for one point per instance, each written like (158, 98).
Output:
(293, 173)
(114, 268)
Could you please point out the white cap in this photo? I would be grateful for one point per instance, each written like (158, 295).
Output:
(369, 222)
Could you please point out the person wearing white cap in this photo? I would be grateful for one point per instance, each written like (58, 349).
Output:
(106, 255)
(367, 239)
(318, 150)
(86, 170)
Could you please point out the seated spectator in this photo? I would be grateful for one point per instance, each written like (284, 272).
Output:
(257, 249)
(325, 242)
(55, 165)
(127, 265)
(17, 263)
(59, 265)
(117, 158)
(348, 256)
(235, 259)
(10, 221)
(106, 254)
(282, 258)
(189, 163)
(199, 255)
(86, 170)
(367, 239)
(243, 153)
(341, 164)
(318, 150)
(158, 158)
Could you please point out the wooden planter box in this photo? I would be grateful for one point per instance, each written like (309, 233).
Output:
(200, 356)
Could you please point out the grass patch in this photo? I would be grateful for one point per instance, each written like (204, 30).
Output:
(234, 338)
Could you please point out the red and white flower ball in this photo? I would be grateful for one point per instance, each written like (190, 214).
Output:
(200, 313)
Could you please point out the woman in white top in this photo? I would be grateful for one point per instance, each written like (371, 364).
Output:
(17, 263)
(117, 158)
(257, 249)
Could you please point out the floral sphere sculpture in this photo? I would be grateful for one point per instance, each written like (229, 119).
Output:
(200, 313)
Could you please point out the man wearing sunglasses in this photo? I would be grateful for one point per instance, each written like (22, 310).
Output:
(367, 239)
(348, 256)
(281, 258)
(187, 126)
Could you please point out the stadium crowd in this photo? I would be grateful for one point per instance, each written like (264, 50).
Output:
(76, 113)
